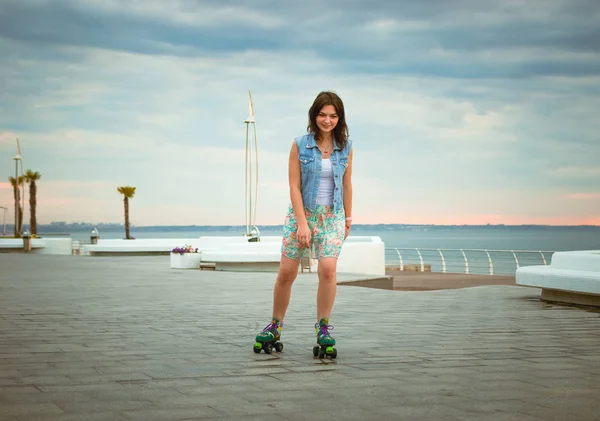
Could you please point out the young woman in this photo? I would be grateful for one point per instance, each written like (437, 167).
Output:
(318, 219)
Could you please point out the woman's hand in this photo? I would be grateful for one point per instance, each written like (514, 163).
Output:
(303, 235)
(348, 224)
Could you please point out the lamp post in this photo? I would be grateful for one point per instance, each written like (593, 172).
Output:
(4, 219)
(94, 235)
(251, 147)
(26, 240)
(17, 159)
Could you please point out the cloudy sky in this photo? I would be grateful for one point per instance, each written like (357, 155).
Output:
(461, 111)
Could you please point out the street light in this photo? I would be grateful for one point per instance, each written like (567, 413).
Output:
(26, 240)
(4, 220)
(17, 159)
(94, 236)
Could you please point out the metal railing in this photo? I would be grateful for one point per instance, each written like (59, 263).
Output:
(468, 261)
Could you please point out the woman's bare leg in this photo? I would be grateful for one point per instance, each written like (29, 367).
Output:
(288, 271)
(327, 287)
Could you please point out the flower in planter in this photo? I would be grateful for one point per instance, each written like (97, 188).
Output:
(184, 249)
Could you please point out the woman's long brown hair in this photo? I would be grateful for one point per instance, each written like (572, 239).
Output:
(340, 133)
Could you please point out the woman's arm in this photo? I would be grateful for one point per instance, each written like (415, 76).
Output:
(347, 183)
(295, 180)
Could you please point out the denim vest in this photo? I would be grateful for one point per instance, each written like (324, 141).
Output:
(311, 163)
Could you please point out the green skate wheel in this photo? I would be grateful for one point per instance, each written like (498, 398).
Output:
(257, 347)
(329, 350)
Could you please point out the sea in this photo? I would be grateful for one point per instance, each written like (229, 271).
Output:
(550, 238)
(494, 249)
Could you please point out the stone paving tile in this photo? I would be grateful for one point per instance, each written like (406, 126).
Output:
(90, 416)
(93, 387)
(347, 414)
(172, 414)
(127, 338)
(259, 384)
(430, 411)
(28, 409)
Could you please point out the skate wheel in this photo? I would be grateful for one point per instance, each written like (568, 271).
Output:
(267, 348)
(257, 347)
(278, 347)
(334, 353)
(321, 354)
(315, 351)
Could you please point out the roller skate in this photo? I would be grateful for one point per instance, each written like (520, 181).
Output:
(325, 342)
(268, 339)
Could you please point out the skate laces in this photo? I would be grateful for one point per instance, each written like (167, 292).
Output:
(325, 329)
(271, 326)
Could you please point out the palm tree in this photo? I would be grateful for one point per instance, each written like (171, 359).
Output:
(22, 184)
(15, 183)
(31, 177)
(128, 193)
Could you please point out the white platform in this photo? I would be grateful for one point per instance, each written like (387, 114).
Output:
(39, 245)
(144, 245)
(572, 276)
(360, 254)
(17, 244)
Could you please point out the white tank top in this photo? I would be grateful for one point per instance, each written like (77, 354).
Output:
(325, 193)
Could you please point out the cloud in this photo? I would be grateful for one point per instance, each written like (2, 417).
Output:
(592, 172)
(462, 39)
(189, 13)
(449, 103)
(8, 138)
(584, 196)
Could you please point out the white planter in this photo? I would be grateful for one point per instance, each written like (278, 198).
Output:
(186, 260)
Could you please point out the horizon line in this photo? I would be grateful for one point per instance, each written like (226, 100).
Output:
(280, 225)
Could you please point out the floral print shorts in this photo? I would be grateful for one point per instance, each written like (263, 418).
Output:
(327, 230)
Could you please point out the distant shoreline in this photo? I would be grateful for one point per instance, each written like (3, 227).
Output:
(83, 227)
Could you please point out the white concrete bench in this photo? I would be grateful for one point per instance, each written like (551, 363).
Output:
(15, 244)
(146, 246)
(38, 245)
(363, 255)
(572, 277)
(62, 246)
(216, 241)
(238, 256)
(360, 254)
(242, 261)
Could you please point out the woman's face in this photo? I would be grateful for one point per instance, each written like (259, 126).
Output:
(327, 118)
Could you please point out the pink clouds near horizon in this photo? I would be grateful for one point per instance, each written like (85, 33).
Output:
(482, 219)
(99, 201)
(584, 196)
(8, 138)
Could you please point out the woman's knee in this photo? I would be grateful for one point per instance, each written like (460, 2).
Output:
(327, 269)
(288, 270)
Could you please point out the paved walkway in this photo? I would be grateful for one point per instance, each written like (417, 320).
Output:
(425, 281)
(126, 338)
